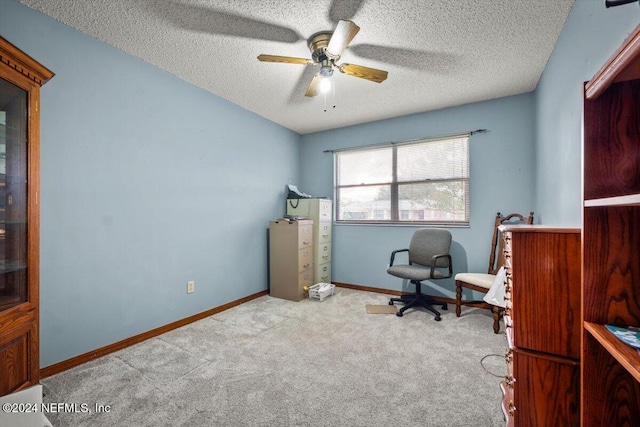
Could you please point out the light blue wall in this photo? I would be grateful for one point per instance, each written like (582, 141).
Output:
(147, 182)
(502, 177)
(591, 34)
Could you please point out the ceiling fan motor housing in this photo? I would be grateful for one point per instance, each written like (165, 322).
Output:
(318, 46)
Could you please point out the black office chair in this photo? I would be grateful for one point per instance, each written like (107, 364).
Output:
(428, 255)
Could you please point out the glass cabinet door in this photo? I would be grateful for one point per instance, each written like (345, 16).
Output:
(20, 80)
(13, 195)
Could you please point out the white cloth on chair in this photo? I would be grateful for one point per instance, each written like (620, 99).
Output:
(495, 295)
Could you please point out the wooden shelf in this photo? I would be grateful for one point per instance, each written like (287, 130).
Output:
(626, 355)
(610, 377)
(623, 65)
(630, 200)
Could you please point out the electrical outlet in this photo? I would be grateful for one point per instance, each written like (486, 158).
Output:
(191, 286)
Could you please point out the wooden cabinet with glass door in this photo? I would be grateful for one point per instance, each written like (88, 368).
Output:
(20, 81)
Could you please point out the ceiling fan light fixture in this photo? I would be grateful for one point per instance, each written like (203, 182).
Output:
(325, 85)
(326, 71)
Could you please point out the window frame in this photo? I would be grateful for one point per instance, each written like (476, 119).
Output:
(394, 184)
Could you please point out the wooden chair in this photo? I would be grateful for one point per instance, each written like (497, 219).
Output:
(481, 282)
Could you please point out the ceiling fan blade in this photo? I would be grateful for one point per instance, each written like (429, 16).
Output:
(314, 86)
(296, 96)
(285, 59)
(343, 34)
(372, 74)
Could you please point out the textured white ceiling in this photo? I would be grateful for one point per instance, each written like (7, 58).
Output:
(439, 53)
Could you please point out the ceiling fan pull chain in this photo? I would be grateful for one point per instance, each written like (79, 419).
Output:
(332, 94)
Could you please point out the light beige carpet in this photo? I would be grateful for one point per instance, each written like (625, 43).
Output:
(381, 309)
(273, 362)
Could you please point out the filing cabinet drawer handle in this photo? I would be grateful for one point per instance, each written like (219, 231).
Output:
(306, 265)
(306, 242)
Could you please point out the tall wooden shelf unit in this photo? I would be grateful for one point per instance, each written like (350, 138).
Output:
(20, 81)
(611, 239)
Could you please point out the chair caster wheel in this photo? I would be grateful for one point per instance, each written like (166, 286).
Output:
(390, 302)
(437, 318)
(399, 314)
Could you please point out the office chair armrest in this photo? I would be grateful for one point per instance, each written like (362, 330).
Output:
(393, 255)
(435, 258)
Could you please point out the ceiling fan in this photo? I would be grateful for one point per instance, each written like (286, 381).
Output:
(326, 48)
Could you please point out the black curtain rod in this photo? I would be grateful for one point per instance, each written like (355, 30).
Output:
(408, 141)
(614, 3)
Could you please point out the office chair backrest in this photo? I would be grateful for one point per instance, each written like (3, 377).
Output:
(427, 242)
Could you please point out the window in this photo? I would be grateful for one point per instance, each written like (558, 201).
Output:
(424, 182)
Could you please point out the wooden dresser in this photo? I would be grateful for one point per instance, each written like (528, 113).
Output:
(542, 323)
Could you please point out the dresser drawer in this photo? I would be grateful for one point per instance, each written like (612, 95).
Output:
(508, 408)
(506, 241)
(323, 273)
(324, 232)
(508, 283)
(546, 390)
(507, 260)
(305, 278)
(305, 258)
(545, 292)
(324, 210)
(507, 386)
(323, 253)
(305, 235)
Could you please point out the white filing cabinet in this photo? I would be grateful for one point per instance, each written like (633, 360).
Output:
(320, 211)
